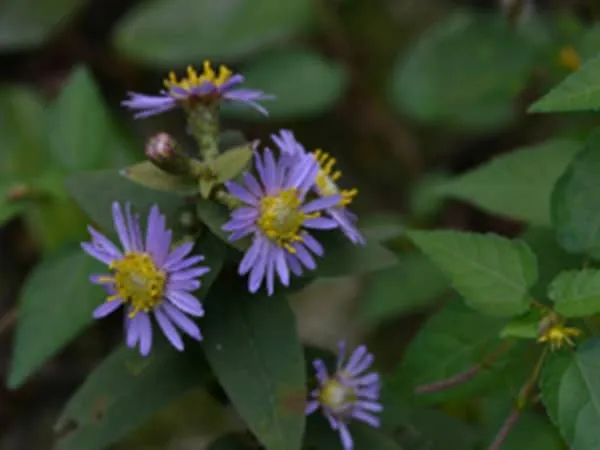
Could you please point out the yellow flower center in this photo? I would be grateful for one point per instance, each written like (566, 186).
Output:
(559, 336)
(569, 58)
(336, 395)
(195, 79)
(280, 218)
(137, 281)
(327, 177)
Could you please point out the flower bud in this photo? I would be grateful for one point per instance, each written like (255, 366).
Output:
(162, 150)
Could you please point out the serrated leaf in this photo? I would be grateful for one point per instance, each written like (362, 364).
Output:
(518, 184)
(96, 191)
(451, 341)
(318, 84)
(27, 23)
(56, 306)
(252, 345)
(122, 393)
(576, 293)
(232, 162)
(575, 203)
(578, 92)
(175, 32)
(492, 273)
(412, 284)
(571, 391)
(81, 134)
(148, 175)
(449, 76)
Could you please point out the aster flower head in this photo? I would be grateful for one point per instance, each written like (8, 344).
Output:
(325, 183)
(350, 393)
(278, 217)
(207, 86)
(148, 279)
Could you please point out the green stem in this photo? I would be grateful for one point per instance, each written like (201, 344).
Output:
(203, 122)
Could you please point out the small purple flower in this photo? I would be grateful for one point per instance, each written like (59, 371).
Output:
(277, 215)
(349, 394)
(325, 183)
(147, 277)
(205, 86)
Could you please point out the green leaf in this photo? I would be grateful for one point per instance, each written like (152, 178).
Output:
(450, 76)
(28, 23)
(80, 130)
(412, 284)
(96, 191)
(252, 345)
(578, 92)
(382, 227)
(576, 293)
(232, 162)
(552, 372)
(452, 341)
(572, 393)
(318, 84)
(523, 327)
(518, 184)
(150, 176)
(124, 391)
(491, 272)
(56, 306)
(575, 203)
(174, 32)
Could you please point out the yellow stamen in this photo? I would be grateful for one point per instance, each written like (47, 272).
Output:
(327, 177)
(281, 219)
(138, 281)
(559, 336)
(569, 58)
(194, 79)
(336, 396)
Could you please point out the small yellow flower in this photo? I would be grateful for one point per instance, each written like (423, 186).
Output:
(569, 58)
(559, 336)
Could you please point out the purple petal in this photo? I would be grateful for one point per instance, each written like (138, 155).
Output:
(357, 355)
(145, 333)
(312, 244)
(259, 268)
(241, 192)
(253, 185)
(106, 308)
(121, 227)
(250, 257)
(183, 285)
(311, 407)
(294, 264)
(237, 225)
(320, 371)
(183, 322)
(341, 356)
(366, 417)
(322, 203)
(346, 438)
(245, 213)
(305, 258)
(178, 254)
(133, 226)
(168, 329)
(321, 223)
(270, 180)
(282, 269)
(186, 302)
(131, 329)
(184, 264)
(97, 253)
(190, 274)
(369, 406)
(102, 242)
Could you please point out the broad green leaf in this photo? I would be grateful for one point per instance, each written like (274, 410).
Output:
(576, 293)
(492, 273)
(451, 342)
(22, 118)
(554, 368)
(124, 391)
(232, 162)
(150, 176)
(96, 191)
(578, 92)
(412, 284)
(28, 23)
(56, 306)
(450, 75)
(575, 203)
(550, 256)
(252, 345)
(80, 131)
(318, 84)
(175, 32)
(572, 392)
(517, 184)
(523, 327)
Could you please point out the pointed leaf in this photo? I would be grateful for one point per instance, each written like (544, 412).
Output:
(576, 204)
(523, 327)
(518, 184)
(578, 92)
(491, 272)
(150, 176)
(576, 293)
(252, 345)
(232, 162)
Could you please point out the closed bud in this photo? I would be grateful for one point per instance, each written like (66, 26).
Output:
(164, 152)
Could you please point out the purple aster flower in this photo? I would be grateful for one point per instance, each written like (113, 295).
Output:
(147, 277)
(325, 184)
(348, 394)
(206, 86)
(277, 215)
